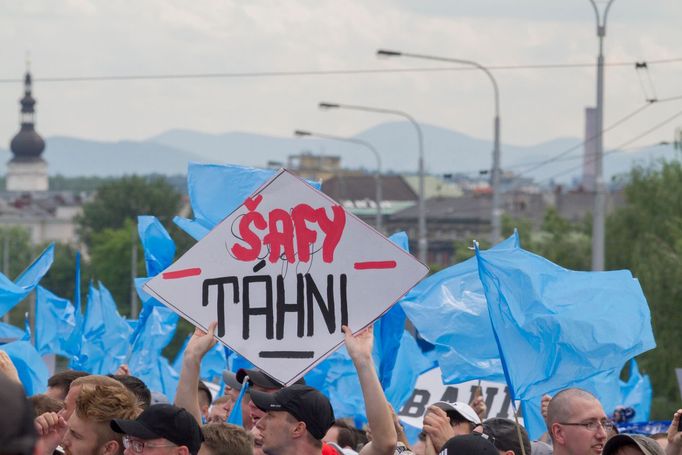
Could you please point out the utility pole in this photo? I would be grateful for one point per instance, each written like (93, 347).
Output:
(599, 212)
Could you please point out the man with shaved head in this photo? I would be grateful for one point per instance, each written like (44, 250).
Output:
(577, 423)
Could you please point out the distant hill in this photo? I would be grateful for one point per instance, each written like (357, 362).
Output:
(446, 152)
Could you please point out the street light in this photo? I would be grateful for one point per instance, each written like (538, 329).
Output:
(421, 208)
(599, 215)
(377, 175)
(495, 177)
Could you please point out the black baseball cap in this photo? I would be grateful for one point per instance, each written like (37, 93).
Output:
(163, 421)
(303, 402)
(504, 435)
(17, 431)
(470, 444)
(259, 378)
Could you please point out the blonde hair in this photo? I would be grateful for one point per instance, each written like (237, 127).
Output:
(227, 439)
(95, 379)
(102, 403)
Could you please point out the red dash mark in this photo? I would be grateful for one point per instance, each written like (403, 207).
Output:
(181, 273)
(375, 265)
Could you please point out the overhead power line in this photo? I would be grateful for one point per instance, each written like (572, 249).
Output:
(255, 74)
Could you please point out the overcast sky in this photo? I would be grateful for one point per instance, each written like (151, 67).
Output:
(145, 37)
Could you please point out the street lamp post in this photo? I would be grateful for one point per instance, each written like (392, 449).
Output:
(495, 174)
(599, 216)
(421, 208)
(377, 175)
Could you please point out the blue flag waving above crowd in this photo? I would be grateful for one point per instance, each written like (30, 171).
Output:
(11, 293)
(56, 320)
(555, 327)
(449, 310)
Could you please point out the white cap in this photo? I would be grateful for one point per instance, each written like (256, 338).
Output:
(460, 408)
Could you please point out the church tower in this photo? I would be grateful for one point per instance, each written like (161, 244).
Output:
(27, 170)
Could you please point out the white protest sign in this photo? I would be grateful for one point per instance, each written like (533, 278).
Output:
(282, 273)
(430, 389)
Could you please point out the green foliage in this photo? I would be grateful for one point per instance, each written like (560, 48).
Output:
(61, 278)
(646, 237)
(16, 251)
(125, 199)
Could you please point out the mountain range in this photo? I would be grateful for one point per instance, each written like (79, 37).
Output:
(446, 152)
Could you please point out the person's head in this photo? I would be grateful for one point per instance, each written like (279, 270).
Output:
(463, 418)
(220, 409)
(88, 429)
(661, 439)
(259, 382)
(631, 444)
(59, 383)
(577, 423)
(225, 439)
(296, 416)
(17, 433)
(205, 398)
(161, 429)
(504, 434)
(77, 384)
(343, 434)
(232, 386)
(137, 386)
(42, 404)
(468, 444)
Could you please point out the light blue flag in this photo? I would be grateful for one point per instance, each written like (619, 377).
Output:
(555, 327)
(410, 363)
(235, 417)
(636, 393)
(159, 248)
(212, 365)
(11, 293)
(154, 336)
(10, 333)
(388, 330)
(449, 310)
(105, 334)
(55, 321)
(216, 190)
(32, 370)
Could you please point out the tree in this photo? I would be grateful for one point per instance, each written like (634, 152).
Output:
(125, 199)
(645, 237)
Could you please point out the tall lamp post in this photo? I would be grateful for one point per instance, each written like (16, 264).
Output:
(377, 175)
(599, 216)
(495, 177)
(421, 208)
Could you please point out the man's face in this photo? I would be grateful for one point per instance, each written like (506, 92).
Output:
(276, 427)
(255, 413)
(220, 412)
(81, 437)
(578, 440)
(159, 446)
(70, 402)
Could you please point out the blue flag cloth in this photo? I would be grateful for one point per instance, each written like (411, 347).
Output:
(159, 248)
(636, 393)
(216, 190)
(32, 370)
(235, 417)
(10, 333)
(146, 361)
(55, 321)
(212, 365)
(449, 310)
(105, 334)
(555, 327)
(11, 293)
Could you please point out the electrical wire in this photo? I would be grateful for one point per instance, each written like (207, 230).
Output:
(254, 74)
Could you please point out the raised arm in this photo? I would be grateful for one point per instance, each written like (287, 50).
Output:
(187, 393)
(384, 436)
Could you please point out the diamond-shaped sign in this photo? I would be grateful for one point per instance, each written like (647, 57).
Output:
(282, 273)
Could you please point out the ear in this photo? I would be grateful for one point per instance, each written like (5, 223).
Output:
(299, 430)
(111, 448)
(556, 431)
(182, 450)
(510, 452)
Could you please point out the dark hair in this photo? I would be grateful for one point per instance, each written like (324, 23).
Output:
(347, 435)
(207, 393)
(63, 379)
(42, 404)
(137, 386)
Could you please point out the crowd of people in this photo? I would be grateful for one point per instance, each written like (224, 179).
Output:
(82, 414)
